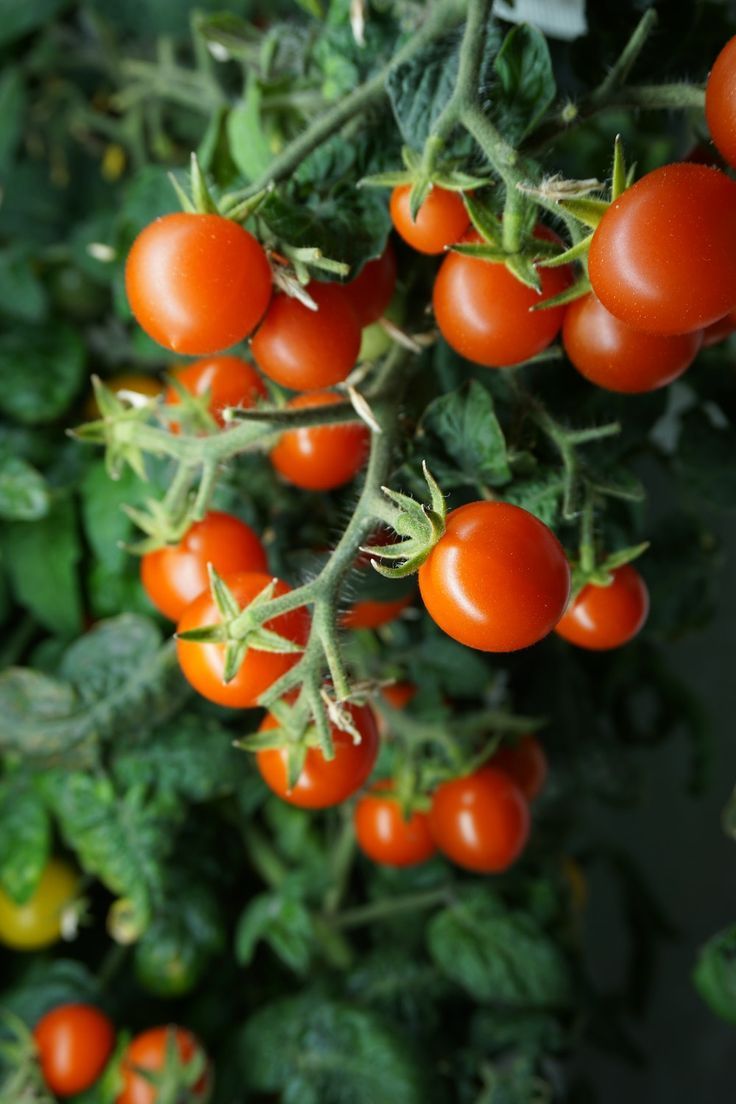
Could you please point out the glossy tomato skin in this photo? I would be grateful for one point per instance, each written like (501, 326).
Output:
(307, 350)
(177, 574)
(197, 284)
(480, 821)
(320, 458)
(148, 1051)
(720, 330)
(613, 355)
(324, 782)
(203, 664)
(601, 618)
(74, 1043)
(372, 289)
(663, 258)
(497, 580)
(385, 836)
(228, 380)
(525, 763)
(720, 102)
(371, 613)
(441, 220)
(485, 313)
(37, 923)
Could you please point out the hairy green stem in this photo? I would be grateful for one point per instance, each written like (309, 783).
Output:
(391, 906)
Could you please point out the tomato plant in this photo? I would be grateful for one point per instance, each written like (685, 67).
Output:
(603, 617)
(440, 221)
(74, 1044)
(480, 821)
(175, 575)
(226, 381)
(320, 458)
(662, 259)
(197, 283)
(497, 580)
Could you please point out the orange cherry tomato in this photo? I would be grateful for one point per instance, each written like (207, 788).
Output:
(324, 782)
(399, 694)
(480, 821)
(74, 1043)
(197, 284)
(228, 380)
(385, 836)
(441, 220)
(603, 617)
(175, 575)
(304, 349)
(371, 613)
(526, 763)
(203, 665)
(148, 1051)
(372, 289)
(497, 580)
(319, 458)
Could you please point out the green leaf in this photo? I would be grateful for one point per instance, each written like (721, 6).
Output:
(466, 424)
(12, 108)
(25, 840)
(441, 662)
(541, 495)
(22, 295)
(47, 983)
(282, 921)
(498, 956)
(42, 371)
(106, 525)
(23, 492)
(527, 83)
(704, 459)
(714, 975)
(47, 582)
(19, 19)
(319, 1051)
(249, 146)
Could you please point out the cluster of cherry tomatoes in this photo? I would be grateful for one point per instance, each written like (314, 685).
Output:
(75, 1042)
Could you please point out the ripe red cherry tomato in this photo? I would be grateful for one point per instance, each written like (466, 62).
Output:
(372, 289)
(481, 821)
(175, 575)
(399, 694)
(663, 258)
(324, 782)
(720, 102)
(74, 1043)
(498, 578)
(228, 380)
(385, 836)
(486, 314)
(319, 458)
(203, 664)
(613, 355)
(441, 220)
(371, 613)
(306, 350)
(197, 283)
(526, 763)
(720, 330)
(603, 617)
(148, 1051)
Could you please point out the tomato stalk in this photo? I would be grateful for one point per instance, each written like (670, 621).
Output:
(391, 907)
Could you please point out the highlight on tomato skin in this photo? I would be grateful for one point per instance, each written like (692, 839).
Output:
(387, 837)
(441, 220)
(480, 821)
(321, 458)
(324, 782)
(605, 617)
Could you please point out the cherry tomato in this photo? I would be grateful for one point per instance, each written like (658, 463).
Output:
(175, 575)
(441, 220)
(319, 458)
(385, 836)
(663, 258)
(720, 102)
(480, 821)
(126, 381)
(372, 289)
(37, 923)
(526, 763)
(197, 283)
(324, 782)
(148, 1051)
(203, 664)
(485, 313)
(603, 617)
(498, 578)
(371, 613)
(74, 1043)
(613, 355)
(304, 349)
(720, 330)
(227, 380)
(399, 694)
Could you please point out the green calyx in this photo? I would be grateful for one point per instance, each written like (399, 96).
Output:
(419, 526)
(422, 172)
(178, 1081)
(116, 429)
